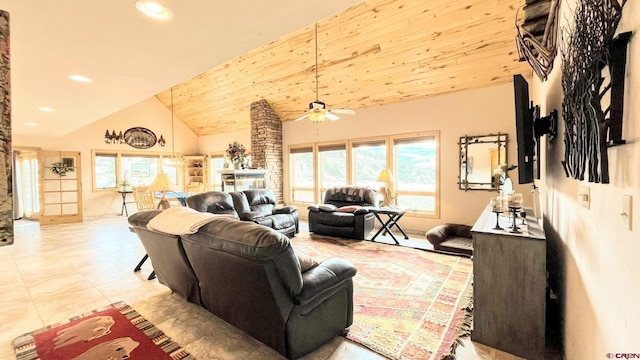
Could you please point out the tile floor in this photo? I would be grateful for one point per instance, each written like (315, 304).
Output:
(54, 272)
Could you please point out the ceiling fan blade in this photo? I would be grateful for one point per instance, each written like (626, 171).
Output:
(302, 117)
(331, 117)
(343, 111)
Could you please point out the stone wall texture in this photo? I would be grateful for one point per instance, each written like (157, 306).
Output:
(266, 145)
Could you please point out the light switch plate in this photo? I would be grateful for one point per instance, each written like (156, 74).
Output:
(626, 211)
(584, 196)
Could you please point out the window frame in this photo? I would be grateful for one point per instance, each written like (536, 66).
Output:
(119, 154)
(350, 144)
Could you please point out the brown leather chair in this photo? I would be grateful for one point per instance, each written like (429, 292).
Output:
(451, 238)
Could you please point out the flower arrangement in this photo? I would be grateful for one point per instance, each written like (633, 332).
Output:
(236, 151)
(60, 168)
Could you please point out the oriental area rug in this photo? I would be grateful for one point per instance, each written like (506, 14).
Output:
(407, 303)
(116, 332)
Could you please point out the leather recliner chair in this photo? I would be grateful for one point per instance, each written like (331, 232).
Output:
(250, 276)
(344, 212)
(259, 206)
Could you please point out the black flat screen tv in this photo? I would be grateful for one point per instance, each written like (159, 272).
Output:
(524, 130)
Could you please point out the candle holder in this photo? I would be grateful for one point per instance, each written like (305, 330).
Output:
(514, 212)
(498, 227)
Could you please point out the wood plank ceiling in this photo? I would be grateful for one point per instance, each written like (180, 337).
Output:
(376, 52)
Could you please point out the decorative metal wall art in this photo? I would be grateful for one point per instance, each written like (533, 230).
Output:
(137, 137)
(537, 35)
(587, 48)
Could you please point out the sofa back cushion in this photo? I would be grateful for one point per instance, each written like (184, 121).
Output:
(215, 202)
(350, 195)
(254, 243)
(261, 201)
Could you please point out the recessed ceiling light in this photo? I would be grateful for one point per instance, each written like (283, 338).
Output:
(31, 124)
(154, 10)
(46, 108)
(80, 78)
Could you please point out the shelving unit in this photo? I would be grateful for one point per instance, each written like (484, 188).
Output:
(238, 180)
(195, 173)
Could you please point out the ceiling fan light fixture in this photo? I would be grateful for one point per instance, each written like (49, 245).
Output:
(317, 117)
(154, 10)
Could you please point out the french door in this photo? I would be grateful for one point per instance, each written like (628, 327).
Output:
(60, 187)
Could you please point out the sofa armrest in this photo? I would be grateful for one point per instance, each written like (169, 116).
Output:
(285, 210)
(249, 216)
(324, 276)
(322, 208)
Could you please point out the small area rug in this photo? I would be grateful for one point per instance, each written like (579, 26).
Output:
(116, 332)
(408, 303)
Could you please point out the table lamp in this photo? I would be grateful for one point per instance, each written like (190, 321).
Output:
(162, 182)
(387, 178)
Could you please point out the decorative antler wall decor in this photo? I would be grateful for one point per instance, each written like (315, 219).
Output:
(585, 52)
(537, 35)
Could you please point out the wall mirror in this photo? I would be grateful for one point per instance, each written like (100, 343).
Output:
(479, 156)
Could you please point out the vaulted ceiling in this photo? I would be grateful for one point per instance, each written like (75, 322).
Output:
(376, 52)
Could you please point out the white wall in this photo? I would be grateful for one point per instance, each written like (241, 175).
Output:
(475, 112)
(593, 259)
(150, 113)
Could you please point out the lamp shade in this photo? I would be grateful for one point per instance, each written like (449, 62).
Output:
(385, 176)
(316, 117)
(162, 182)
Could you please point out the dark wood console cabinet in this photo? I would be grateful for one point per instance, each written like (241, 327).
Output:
(509, 287)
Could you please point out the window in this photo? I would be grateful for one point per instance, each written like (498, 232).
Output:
(105, 171)
(110, 167)
(412, 158)
(332, 166)
(302, 174)
(216, 162)
(368, 159)
(415, 162)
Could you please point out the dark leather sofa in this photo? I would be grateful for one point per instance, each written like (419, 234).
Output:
(256, 205)
(330, 219)
(250, 276)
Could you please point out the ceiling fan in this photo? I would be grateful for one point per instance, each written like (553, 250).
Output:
(318, 111)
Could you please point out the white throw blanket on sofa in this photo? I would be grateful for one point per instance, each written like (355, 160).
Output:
(182, 220)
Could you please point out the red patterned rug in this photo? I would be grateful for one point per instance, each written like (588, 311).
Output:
(117, 332)
(408, 303)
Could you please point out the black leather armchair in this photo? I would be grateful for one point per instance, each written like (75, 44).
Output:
(344, 212)
(259, 206)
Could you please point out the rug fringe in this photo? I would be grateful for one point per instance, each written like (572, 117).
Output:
(465, 328)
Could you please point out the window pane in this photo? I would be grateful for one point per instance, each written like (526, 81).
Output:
(216, 163)
(140, 171)
(333, 167)
(105, 171)
(424, 203)
(368, 160)
(415, 163)
(301, 163)
(169, 168)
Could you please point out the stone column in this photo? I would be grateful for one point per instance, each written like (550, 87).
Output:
(266, 145)
(6, 173)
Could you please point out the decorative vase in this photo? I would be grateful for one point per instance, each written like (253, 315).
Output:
(237, 165)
